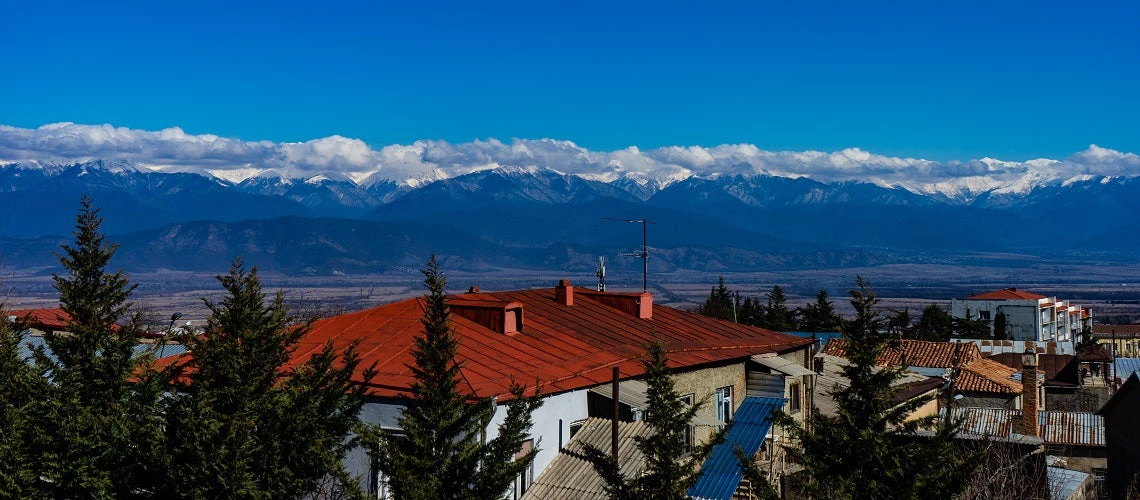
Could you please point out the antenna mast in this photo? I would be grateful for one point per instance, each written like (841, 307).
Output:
(643, 254)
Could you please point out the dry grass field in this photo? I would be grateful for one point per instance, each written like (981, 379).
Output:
(1110, 289)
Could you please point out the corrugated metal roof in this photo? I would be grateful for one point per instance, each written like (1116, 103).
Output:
(1071, 428)
(785, 366)
(1125, 367)
(570, 477)
(31, 342)
(563, 347)
(721, 473)
(1063, 483)
(1055, 427)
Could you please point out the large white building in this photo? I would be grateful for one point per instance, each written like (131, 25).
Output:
(1029, 316)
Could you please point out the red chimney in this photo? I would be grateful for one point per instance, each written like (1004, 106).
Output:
(564, 293)
(1029, 403)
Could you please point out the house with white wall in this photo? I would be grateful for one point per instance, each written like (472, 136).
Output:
(567, 341)
(1029, 316)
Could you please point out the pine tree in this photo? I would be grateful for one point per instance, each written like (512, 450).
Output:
(869, 449)
(720, 302)
(439, 454)
(98, 431)
(819, 316)
(668, 472)
(776, 314)
(239, 422)
(971, 327)
(899, 324)
(20, 387)
(1001, 324)
(934, 324)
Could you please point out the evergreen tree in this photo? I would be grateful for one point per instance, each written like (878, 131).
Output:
(868, 449)
(751, 312)
(819, 316)
(899, 324)
(97, 430)
(439, 454)
(776, 314)
(1085, 338)
(934, 324)
(668, 472)
(720, 303)
(20, 387)
(241, 422)
(971, 327)
(1001, 324)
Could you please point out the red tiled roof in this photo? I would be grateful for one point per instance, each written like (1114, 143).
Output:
(46, 319)
(976, 373)
(562, 347)
(987, 375)
(1106, 331)
(1006, 294)
(921, 353)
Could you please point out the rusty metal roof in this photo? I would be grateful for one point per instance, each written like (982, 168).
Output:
(562, 347)
(1055, 427)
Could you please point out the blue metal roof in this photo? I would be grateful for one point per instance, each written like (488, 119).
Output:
(1125, 367)
(822, 337)
(31, 342)
(721, 473)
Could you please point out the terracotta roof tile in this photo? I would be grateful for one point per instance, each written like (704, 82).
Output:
(921, 353)
(976, 373)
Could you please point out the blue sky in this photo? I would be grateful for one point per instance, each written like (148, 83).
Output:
(947, 80)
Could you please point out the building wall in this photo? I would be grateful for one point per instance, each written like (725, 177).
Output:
(988, 400)
(1021, 316)
(1122, 435)
(703, 384)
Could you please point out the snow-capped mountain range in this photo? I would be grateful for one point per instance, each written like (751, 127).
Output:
(770, 216)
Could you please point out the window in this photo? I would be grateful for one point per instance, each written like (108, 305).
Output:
(687, 400)
(984, 315)
(724, 404)
(523, 482)
(794, 397)
(379, 482)
(576, 426)
(1100, 479)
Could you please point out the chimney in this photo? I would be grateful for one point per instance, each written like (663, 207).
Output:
(1029, 403)
(645, 306)
(473, 289)
(564, 293)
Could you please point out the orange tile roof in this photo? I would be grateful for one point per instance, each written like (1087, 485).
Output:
(563, 347)
(1006, 294)
(921, 353)
(976, 373)
(47, 319)
(987, 375)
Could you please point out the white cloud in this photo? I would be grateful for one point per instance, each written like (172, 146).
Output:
(173, 149)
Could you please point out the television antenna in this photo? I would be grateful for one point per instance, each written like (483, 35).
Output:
(643, 254)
